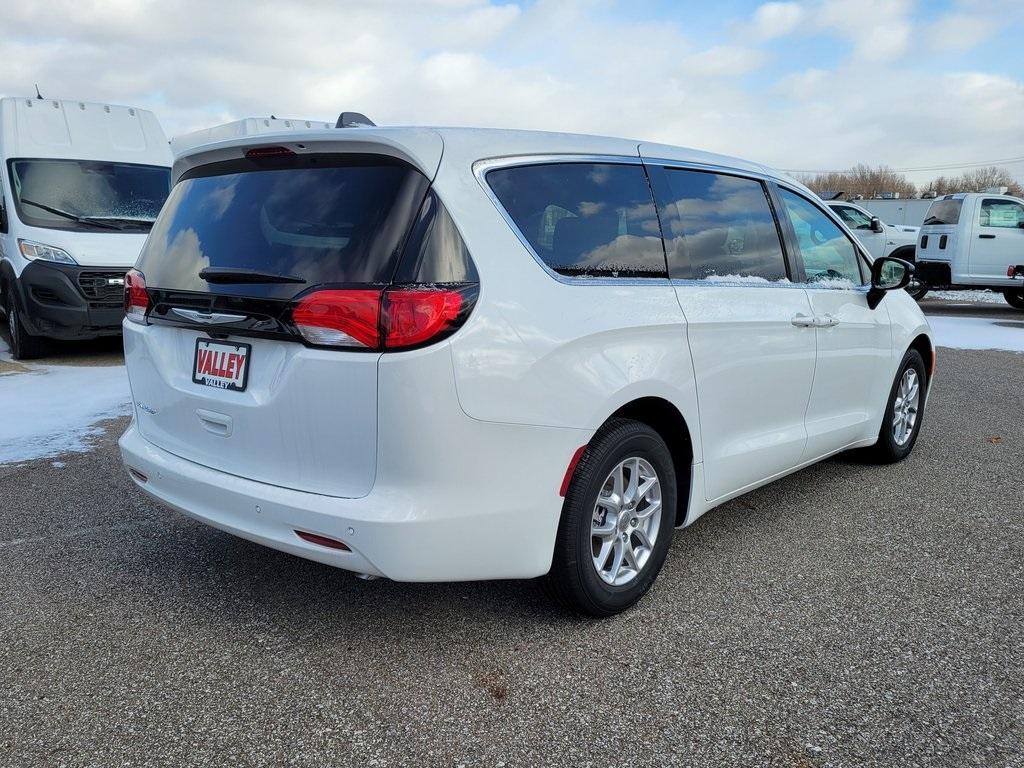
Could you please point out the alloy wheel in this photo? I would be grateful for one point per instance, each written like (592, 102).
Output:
(626, 520)
(904, 412)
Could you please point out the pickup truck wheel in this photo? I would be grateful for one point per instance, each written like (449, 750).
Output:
(24, 346)
(617, 521)
(1015, 298)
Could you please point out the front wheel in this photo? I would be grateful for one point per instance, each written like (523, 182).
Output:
(1014, 297)
(617, 521)
(24, 346)
(903, 412)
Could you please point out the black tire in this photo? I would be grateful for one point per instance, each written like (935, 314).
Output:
(1014, 297)
(24, 346)
(887, 450)
(573, 580)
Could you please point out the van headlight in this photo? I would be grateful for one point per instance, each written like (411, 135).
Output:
(42, 252)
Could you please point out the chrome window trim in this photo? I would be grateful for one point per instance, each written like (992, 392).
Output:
(482, 167)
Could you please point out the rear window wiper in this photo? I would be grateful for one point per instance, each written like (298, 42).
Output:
(228, 275)
(69, 215)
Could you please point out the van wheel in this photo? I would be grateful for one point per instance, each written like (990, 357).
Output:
(902, 421)
(24, 346)
(1015, 298)
(617, 521)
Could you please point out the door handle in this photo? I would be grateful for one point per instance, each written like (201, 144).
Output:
(826, 321)
(803, 321)
(987, 237)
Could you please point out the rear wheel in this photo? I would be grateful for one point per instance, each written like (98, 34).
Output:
(1014, 297)
(902, 421)
(24, 346)
(617, 521)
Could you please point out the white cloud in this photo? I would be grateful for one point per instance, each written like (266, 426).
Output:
(777, 19)
(958, 32)
(553, 64)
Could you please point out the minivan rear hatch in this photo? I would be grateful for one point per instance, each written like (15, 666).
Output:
(218, 373)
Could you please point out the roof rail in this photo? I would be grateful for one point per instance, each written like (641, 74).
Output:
(354, 120)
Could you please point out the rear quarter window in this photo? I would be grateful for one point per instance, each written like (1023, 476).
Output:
(585, 219)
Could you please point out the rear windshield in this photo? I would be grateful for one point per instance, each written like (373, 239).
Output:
(334, 220)
(88, 195)
(943, 212)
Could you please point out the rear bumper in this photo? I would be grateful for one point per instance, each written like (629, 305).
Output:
(54, 301)
(455, 531)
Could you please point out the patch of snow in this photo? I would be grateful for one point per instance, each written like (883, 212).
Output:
(58, 464)
(983, 296)
(53, 409)
(977, 333)
(742, 279)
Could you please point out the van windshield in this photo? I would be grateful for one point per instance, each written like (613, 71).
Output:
(943, 212)
(89, 195)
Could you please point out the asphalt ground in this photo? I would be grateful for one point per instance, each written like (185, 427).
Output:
(846, 615)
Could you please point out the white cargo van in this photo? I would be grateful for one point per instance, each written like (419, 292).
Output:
(974, 240)
(80, 186)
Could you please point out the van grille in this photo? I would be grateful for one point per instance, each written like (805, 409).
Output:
(104, 289)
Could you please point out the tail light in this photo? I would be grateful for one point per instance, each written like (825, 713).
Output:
(136, 299)
(383, 319)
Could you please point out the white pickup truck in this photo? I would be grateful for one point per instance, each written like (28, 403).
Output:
(881, 239)
(974, 240)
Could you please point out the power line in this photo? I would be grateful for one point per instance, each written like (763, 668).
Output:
(958, 166)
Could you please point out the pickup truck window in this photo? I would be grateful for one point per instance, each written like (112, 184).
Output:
(853, 218)
(944, 212)
(1001, 213)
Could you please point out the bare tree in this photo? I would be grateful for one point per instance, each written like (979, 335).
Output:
(975, 181)
(861, 180)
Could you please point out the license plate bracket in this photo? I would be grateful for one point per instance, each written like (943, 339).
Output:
(221, 364)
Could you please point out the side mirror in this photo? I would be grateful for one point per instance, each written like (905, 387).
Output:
(888, 274)
(876, 224)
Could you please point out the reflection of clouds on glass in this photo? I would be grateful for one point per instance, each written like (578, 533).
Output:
(220, 198)
(722, 225)
(626, 253)
(600, 174)
(587, 208)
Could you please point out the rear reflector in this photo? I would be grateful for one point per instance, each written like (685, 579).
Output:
(136, 300)
(138, 475)
(323, 541)
(571, 470)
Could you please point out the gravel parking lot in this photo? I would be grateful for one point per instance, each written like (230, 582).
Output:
(846, 615)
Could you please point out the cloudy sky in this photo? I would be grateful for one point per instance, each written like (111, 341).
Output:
(808, 84)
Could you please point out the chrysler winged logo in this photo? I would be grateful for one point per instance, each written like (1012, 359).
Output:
(210, 318)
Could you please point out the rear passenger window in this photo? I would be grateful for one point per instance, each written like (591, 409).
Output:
(718, 226)
(585, 219)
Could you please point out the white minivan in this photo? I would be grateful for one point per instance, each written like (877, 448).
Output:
(80, 187)
(452, 354)
(974, 240)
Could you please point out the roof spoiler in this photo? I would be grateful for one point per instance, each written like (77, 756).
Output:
(354, 120)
